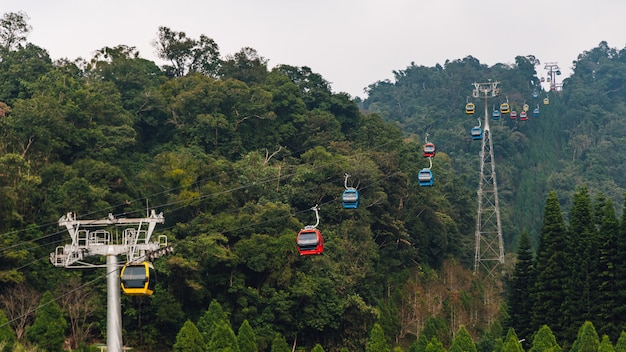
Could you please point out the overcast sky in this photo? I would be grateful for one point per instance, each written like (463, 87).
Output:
(351, 43)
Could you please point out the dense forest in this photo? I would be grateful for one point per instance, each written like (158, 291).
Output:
(236, 155)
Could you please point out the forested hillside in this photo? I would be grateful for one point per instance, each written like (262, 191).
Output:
(578, 137)
(235, 155)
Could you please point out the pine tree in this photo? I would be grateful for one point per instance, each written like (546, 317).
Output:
(377, 341)
(491, 340)
(189, 339)
(318, 348)
(279, 344)
(433, 327)
(620, 273)
(552, 271)
(246, 338)
(48, 330)
(520, 293)
(587, 339)
(462, 342)
(582, 255)
(512, 343)
(606, 318)
(223, 338)
(620, 345)
(210, 319)
(435, 345)
(606, 345)
(545, 341)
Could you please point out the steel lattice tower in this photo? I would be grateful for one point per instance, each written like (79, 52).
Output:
(489, 244)
(553, 71)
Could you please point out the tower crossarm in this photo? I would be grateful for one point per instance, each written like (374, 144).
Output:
(92, 237)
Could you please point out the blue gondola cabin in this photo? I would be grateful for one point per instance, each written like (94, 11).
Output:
(350, 198)
(495, 115)
(536, 112)
(310, 241)
(425, 178)
(477, 133)
(138, 279)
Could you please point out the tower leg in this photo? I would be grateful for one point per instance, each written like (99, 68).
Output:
(114, 306)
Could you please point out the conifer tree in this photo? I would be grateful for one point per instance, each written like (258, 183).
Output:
(377, 341)
(210, 319)
(223, 338)
(462, 342)
(318, 348)
(606, 319)
(279, 344)
(520, 293)
(545, 341)
(552, 270)
(48, 330)
(491, 340)
(189, 339)
(582, 257)
(511, 342)
(606, 345)
(620, 273)
(246, 338)
(620, 345)
(587, 339)
(435, 345)
(433, 327)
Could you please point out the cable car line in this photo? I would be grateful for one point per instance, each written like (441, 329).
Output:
(165, 192)
(272, 179)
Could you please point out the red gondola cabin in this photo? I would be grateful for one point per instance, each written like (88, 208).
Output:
(429, 150)
(310, 241)
(523, 116)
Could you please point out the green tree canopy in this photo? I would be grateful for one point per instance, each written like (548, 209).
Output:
(377, 341)
(279, 344)
(223, 338)
(462, 342)
(605, 344)
(210, 319)
(246, 338)
(545, 341)
(7, 335)
(587, 339)
(48, 329)
(189, 339)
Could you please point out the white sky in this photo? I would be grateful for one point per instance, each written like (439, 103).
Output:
(351, 43)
